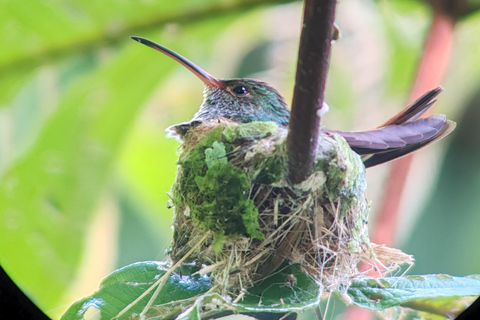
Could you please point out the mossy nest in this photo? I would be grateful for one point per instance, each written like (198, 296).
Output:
(231, 187)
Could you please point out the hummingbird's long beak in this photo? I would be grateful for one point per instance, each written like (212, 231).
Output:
(206, 77)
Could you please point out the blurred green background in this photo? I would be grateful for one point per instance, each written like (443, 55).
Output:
(84, 164)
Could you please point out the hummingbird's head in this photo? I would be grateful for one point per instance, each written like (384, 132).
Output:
(243, 100)
(240, 100)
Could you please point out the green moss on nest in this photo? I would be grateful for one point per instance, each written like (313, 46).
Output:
(271, 172)
(225, 206)
(215, 191)
(230, 182)
(249, 131)
(192, 163)
(334, 167)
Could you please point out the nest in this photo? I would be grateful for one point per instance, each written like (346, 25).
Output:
(231, 194)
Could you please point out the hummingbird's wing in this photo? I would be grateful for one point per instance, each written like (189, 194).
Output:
(402, 134)
(391, 154)
(393, 141)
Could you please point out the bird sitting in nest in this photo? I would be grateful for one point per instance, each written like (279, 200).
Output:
(231, 193)
(247, 100)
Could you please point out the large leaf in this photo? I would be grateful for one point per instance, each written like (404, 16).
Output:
(184, 294)
(49, 191)
(123, 286)
(45, 29)
(40, 31)
(47, 195)
(289, 290)
(438, 294)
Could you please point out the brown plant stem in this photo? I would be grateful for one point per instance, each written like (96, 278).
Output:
(431, 67)
(310, 80)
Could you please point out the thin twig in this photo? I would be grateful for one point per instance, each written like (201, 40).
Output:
(308, 95)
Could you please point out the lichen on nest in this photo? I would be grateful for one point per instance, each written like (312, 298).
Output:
(231, 183)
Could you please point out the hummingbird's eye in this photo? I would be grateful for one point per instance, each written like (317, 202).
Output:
(240, 90)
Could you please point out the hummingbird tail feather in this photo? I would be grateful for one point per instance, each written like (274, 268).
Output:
(403, 133)
(374, 159)
(394, 136)
(416, 109)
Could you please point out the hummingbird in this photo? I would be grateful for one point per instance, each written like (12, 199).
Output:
(245, 100)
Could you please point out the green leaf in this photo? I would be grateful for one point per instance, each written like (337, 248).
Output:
(125, 285)
(289, 289)
(184, 294)
(50, 189)
(47, 195)
(195, 311)
(40, 31)
(48, 28)
(432, 293)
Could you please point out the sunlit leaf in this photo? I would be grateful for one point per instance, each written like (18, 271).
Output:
(48, 194)
(433, 293)
(123, 286)
(184, 294)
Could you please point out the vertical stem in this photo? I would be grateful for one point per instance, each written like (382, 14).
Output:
(308, 95)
